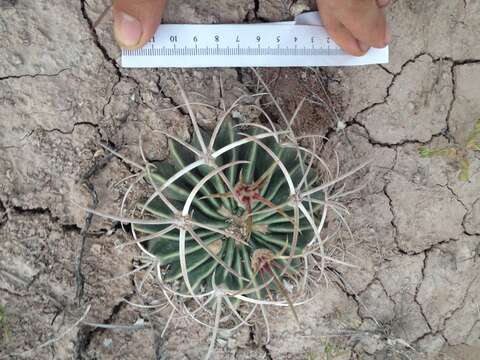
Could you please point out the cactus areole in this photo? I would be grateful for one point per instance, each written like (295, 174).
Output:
(236, 213)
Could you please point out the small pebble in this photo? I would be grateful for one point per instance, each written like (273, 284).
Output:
(341, 125)
(107, 343)
(96, 248)
(236, 115)
(16, 59)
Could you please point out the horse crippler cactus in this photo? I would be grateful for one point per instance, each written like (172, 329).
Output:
(234, 222)
(231, 224)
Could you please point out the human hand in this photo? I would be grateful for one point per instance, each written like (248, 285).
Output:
(355, 25)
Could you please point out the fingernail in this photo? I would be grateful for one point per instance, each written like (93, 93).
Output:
(364, 47)
(382, 3)
(128, 30)
(388, 36)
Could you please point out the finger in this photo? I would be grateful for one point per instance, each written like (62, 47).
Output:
(135, 21)
(339, 33)
(383, 3)
(363, 18)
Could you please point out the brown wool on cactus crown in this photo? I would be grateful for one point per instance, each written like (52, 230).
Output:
(261, 259)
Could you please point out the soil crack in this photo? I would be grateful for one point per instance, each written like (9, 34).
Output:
(33, 76)
(86, 335)
(96, 40)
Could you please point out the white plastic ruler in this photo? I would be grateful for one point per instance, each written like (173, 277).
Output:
(303, 42)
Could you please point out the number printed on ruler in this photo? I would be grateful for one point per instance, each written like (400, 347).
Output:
(241, 42)
(275, 44)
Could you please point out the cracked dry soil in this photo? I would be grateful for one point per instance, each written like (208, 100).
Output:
(416, 226)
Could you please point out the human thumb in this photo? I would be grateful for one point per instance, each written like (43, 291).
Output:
(135, 21)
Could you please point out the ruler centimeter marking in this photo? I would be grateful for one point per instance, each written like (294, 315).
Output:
(241, 45)
(228, 51)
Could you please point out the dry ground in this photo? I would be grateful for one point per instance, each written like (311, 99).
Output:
(416, 226)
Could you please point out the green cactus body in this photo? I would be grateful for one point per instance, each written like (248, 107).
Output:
(243, 211)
